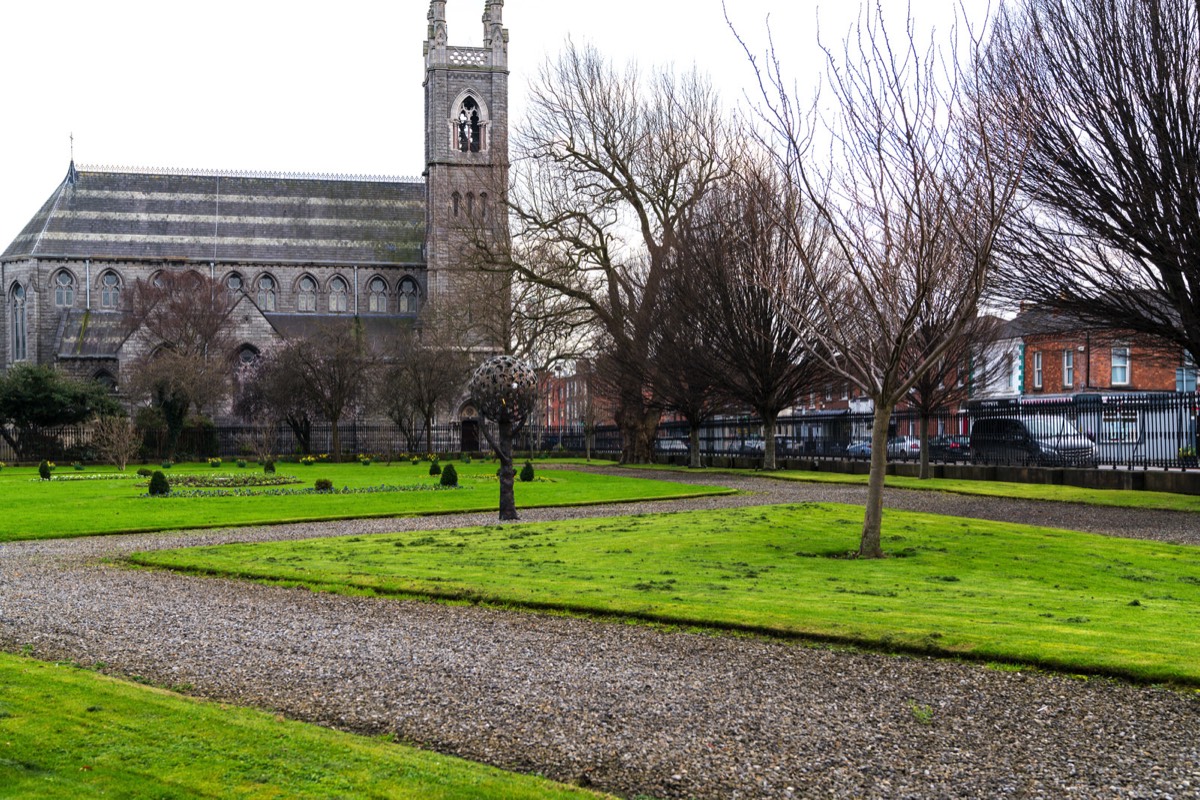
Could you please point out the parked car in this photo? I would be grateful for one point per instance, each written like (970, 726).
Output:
(904, 447)
(861, 449)
(753, 446)
(671, 446)
(950, 448)
(1040, 439)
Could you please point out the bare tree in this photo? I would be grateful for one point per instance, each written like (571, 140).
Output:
(901, 222)
(428, 367)
(1108, 92)
(328, 371)
(117, 440)
(733, 281)
(183, 318)
(609, 166)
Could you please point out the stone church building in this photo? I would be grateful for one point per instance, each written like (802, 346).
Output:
(295, 251)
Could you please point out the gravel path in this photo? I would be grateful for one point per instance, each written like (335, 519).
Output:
(625, 708)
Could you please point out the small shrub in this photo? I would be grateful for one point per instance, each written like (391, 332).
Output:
(214, 462)
(77, 466)
(159, 485)
(166, 464)
(527, 472)
(449, 476)
(308, 461)
(144, 472)
(414, 461)
(44, 470)
(434, 469)
(466, 458)
(269, 467)
(323, 485)
(364, 460)
(241, 462)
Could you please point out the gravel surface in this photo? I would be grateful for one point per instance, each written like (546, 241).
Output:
(628, 709)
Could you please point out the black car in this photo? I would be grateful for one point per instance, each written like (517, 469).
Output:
(950, 448)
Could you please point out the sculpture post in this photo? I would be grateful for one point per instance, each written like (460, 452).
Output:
(503, 388)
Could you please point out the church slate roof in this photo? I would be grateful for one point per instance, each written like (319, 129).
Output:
(227, 217)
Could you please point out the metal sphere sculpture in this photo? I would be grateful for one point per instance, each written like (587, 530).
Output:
(504, 389)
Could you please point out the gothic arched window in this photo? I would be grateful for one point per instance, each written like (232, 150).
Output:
(483, 206)
(233, 282)
(470, 204)
(306, 294)
(410, 296)
(19, 348)
(266, 293)
(377, 296)
(470, 126)
(339, 296)
(110, 289)
(455, 203)
(64, 289)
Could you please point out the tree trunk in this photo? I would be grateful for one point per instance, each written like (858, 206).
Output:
(925, 473)
(768, 441)
(335, 442)
(502, 446)
(429, 436)
(870, 546)
(508, 503)
(694, 446)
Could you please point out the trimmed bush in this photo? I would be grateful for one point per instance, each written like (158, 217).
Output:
(449, 476)
(77, 466)
(214, 462)
(144, 472)
(434, 469)
(323, 485)
(527, 472)
(269, 467)
(44, 470)
(241, 462)
(166, 464)
(466, 458)
(159, 485)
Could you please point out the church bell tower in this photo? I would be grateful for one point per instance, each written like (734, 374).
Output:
(466, 145)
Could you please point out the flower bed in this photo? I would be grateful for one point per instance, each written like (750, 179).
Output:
(243, 492)
(231, 480)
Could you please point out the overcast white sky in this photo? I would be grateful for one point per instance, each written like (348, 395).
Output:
(330, 87)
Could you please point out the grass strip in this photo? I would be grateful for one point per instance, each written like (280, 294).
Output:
(69, 733)
(986, 590)
(34, 509)
(1118, 498)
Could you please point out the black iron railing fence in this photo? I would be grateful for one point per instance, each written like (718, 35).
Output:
(1131, 431)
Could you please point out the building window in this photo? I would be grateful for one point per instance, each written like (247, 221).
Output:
(377, 296)
(483, 206)
(455, 203)
(470, 126)
(266, 293)
(1185, 377)
(1120, 366)
(233, 282)
(110, 289)
(306, 295)
(64, 289)
(19, 349)
(1037, 370)
(410, 296)
(1068, 372)
(339, 296)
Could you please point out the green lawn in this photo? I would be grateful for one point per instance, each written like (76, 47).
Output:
(1121, 498)
(67, 733)
(35, 509)
(987, 590)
